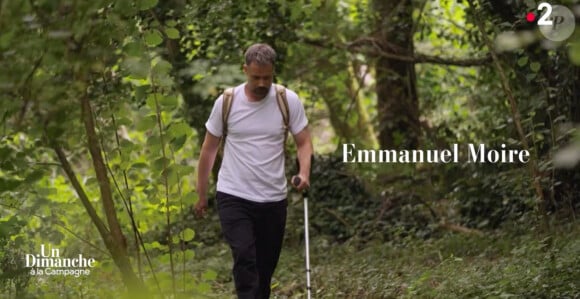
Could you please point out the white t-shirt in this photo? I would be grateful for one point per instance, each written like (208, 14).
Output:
(253, 163)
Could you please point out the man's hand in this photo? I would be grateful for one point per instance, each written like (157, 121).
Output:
(300, 182)
(209, 151)
(201, 207)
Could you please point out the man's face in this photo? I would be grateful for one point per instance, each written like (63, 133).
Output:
(259, 77)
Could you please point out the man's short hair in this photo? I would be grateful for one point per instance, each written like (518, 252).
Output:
(260, 54)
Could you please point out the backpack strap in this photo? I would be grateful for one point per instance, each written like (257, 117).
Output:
(284, 109)
(228, 100)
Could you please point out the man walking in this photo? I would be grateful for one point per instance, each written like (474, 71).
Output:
(251, 185)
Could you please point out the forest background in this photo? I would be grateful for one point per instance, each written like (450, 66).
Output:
(103, 105)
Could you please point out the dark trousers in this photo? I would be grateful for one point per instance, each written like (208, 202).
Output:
(254, 232)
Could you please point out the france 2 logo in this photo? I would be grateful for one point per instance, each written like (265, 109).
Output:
(556, 22)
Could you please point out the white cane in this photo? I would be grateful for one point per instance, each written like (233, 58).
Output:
(306, 242)
(306, 238)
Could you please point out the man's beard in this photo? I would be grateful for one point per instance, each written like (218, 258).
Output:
(261, 91)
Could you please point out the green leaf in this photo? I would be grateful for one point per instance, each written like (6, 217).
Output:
(162, 66)
(9, 227)
(209, 275)
(55, 130)
(168, 101)
(9, 184)
(5, 152)
(188, 234)
(574, 53)
(172, 33)
(127, 146)
(161, 163)
(162, 80)
(123, 7)
(134, 48)
(160, 75)
(190, 198)
(153, 140)
(185, 170)
(154, 200)
(7, 165)
(172, 175)
(177, 143)
(153, 99)
(178, 129)
(138, 68)
(34, 176)
(147, 4)
(523, 61)
(6, 38)
(535, 66)
(203, 288)
(90, 181)
(153, 38)
(123, 121)
(139, 165)
(146, 123)
(141, 93)
(189, 255)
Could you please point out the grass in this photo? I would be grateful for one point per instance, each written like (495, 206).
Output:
(501, 264)
(497, 265)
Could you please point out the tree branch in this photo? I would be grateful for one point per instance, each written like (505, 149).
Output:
(373, 46)
(370, 45)
(460, 229)
(25, 91)
(117, 244)
(79, 190)
(101, 174)
(515, 114)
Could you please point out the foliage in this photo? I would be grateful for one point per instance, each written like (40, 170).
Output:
(453, 266)
(464, 105)
(13, 276)
(339, 203)
(510, 262)
(150, 70)
(344, 204)
(144, 145)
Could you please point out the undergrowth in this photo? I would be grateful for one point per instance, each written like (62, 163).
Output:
(496, 265)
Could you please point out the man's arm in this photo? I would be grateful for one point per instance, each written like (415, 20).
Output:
(207, 156)
(304, 149)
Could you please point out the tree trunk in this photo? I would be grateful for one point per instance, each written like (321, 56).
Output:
(398, 108)
(115, 240)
